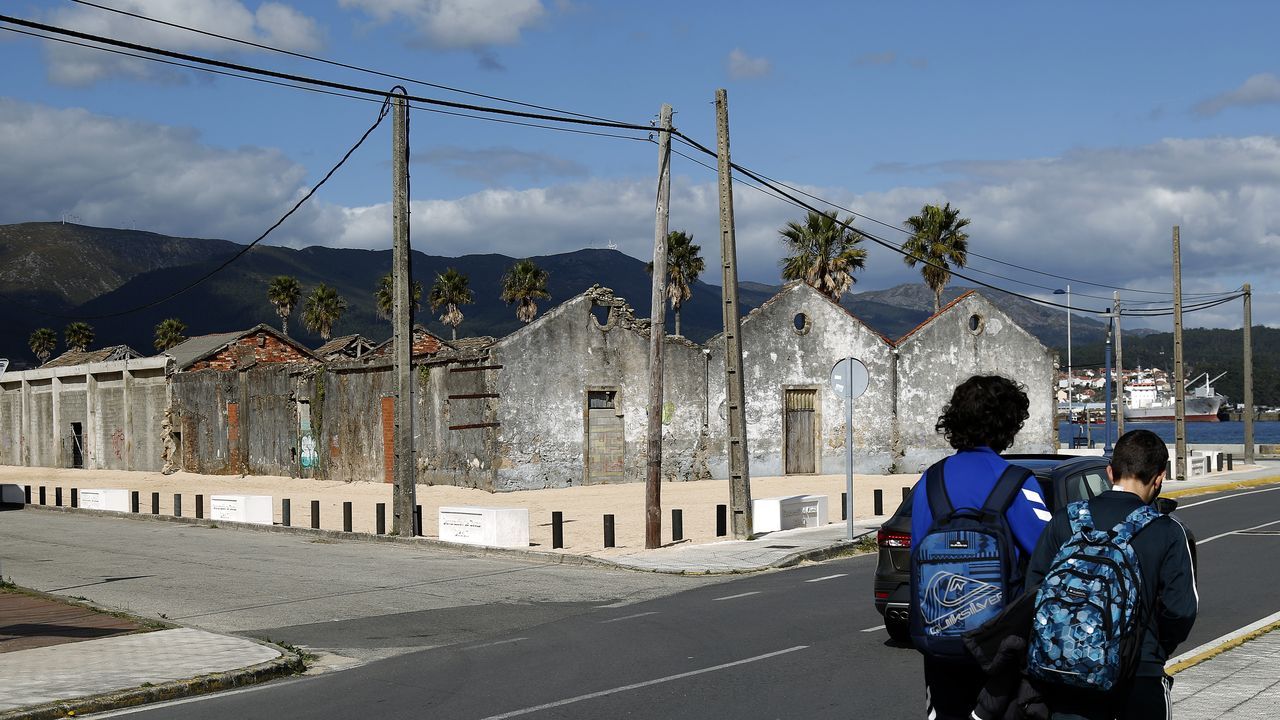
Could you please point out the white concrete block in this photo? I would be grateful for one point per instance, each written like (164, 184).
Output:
(492, 526)
(787, 512)
(242, 508)
(105, 499)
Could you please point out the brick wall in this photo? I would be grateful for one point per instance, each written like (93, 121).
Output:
(259, 347)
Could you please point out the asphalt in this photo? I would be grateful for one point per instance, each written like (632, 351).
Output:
(72, 661)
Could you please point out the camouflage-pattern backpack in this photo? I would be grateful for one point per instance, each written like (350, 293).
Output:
(1089, 613)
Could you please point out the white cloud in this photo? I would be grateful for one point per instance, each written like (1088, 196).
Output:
(494, 164)
(272, 24)
(1261, 89)
(742, 66)
(458, 24)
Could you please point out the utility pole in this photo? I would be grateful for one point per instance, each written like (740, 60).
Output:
(404, 493)
(1248, 374)
(1115, 310)
(1179, 379)
(657, 337)
(739, 472)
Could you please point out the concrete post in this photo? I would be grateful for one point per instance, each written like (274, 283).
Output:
(91, 440)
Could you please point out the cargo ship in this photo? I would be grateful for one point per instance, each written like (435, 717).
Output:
(1144, 403)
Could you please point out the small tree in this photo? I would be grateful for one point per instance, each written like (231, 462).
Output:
(450, 290)
(684, 265)
(42, 343)
(384, 296)
(523, 284)
(937, 241)
(823, 252)
(324, 308)
(284, 292)
(170, 332)
(78, 336)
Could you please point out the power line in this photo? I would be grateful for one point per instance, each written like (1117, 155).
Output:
(335, 63)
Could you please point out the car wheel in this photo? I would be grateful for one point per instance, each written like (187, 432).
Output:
(898, 631)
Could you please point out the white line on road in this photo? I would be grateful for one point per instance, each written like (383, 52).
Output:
(628, 617)
(878, 627)
(739, 595)
(495, 642)
(828, 577)
(647, 683)
(1233, 532)
(1227, 497)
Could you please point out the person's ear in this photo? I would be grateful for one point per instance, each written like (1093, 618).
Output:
(1111, 479)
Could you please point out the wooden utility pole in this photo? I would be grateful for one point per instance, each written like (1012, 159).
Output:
(1179, 378)
(404, 493)
(1248, 374)
(657, 337)
(1115, 309)
(739, 472)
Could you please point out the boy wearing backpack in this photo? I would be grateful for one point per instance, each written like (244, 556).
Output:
(1116, 594)
(974, 521)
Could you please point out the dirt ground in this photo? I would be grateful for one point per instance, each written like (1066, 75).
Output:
(583, 507)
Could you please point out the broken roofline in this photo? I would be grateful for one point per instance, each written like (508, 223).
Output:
(792, 287)
(231, 337)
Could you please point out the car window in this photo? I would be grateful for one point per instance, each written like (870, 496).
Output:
(1096, 482)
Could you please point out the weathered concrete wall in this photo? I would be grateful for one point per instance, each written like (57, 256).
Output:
(11, 423)
(200, 415)
(43, 435)
(148, 398)
(263, 440)
(550, 366)
(778, 356)
(969, 337)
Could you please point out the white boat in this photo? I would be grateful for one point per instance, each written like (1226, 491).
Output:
(1145, 403)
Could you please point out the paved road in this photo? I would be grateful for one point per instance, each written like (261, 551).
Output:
(775, 645)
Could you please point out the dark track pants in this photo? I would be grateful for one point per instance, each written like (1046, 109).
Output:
(1148, 698)
(951, 689)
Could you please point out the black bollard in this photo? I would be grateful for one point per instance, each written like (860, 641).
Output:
(155, 503)
(381, 520)
(906, 493)
(1168, 469)
(134, 502)
(42, 495)
(878, 500)
(677, 525)
(75, 497)
(27, 488)
(608, 531)
(557, 529)
(1220, 462)
(286, 512)
(57, 497)
(844, 506)
(417, 521)
(177, 504)
(315, 514)
(346, 516)
(199, 507)
(1230, 462)
(722, 520)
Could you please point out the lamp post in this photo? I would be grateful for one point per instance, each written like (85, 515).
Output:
(1070, 368)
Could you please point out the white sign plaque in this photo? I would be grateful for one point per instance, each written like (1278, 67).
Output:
(242, 508)
(105, 499)
(491, 526)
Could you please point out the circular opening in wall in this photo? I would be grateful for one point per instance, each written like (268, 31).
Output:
(800, 323)
(976, 323)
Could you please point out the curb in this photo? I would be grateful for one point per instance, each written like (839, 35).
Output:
(839, 549)
(289, 663)
(1215, 648)
(1221, 487)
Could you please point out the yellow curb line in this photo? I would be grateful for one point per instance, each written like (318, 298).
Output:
(1206, 489)
(1214, 652)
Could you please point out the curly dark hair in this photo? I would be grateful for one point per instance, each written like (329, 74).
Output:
(985, 410)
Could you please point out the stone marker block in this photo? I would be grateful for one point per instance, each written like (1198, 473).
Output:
(105, 499)
(787, 512)
(242, 508)
(12, 496)
(492, 526)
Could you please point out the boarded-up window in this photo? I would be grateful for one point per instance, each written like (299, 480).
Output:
(605, 440)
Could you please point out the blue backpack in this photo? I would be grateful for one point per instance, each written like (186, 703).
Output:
(1087, 630)
(965, 569)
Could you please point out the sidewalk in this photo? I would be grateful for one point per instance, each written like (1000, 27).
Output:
(1242, 682)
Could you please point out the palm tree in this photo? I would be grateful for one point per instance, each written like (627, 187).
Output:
(684, 265)
(78, 336)
(450, 290)
(824, 253)
(324, 308)
(284, 292)
(384, 296)
(939, 242)
(170, 332)
(43, 342)
(524, 283)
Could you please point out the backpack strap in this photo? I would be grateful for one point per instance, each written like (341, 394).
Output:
(1133, 524)
(1081, 518)
(936, 492)
(1006, 489)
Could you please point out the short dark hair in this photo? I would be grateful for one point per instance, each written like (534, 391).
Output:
(1139, 454)
(985, 410)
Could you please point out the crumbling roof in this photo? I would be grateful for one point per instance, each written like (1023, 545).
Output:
(339, 344)
(193, 350)
(82, 357)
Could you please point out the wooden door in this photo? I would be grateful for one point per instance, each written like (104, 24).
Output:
(800, 435)
(605, 440)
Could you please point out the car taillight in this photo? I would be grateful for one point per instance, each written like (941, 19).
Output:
(889, 538)
(882, 595)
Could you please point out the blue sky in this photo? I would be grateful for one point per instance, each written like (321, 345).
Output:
(1073, 136)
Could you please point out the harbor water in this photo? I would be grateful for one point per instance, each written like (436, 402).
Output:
(1198, 433)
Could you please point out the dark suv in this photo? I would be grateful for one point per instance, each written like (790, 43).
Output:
(1063, 479)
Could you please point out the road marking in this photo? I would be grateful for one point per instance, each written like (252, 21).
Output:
(646, 683)
(828, 577)
(878, 627)
(1211, 646)
(1233, 532)
(628, 617)
(495, 642)
(739, 595)
(1227, 497)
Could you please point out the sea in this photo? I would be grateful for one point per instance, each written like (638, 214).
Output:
(1206, 433)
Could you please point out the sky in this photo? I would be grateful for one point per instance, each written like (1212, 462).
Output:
(1074, 136)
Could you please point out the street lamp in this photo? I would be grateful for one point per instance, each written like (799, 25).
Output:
(1070, 367)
